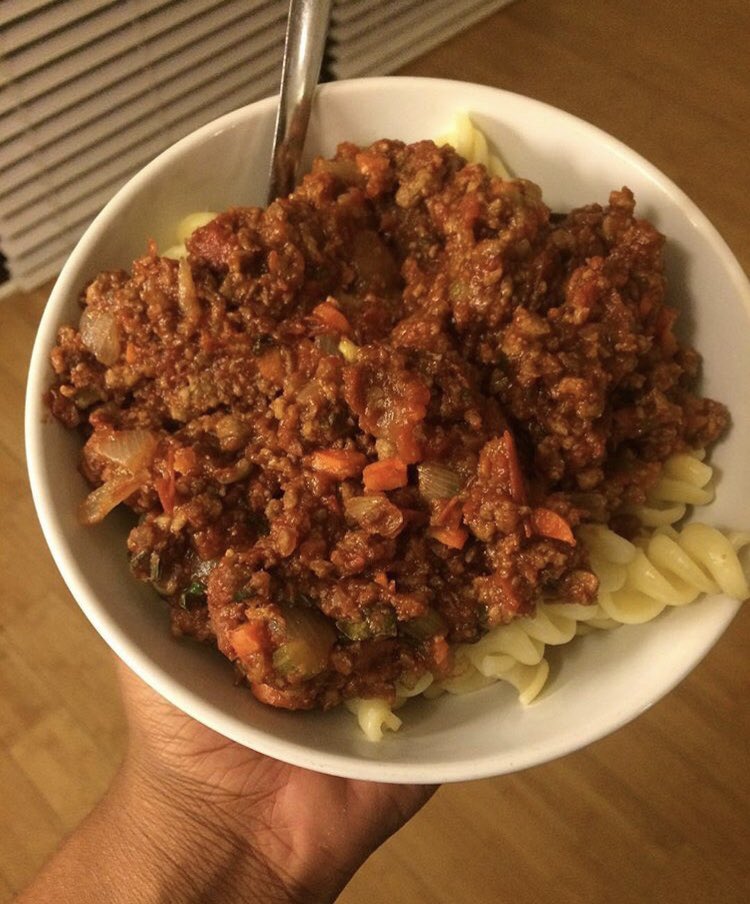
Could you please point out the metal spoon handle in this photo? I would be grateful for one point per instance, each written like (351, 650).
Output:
(306, 31)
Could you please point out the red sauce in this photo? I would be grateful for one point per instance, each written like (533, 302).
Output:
(334, 516)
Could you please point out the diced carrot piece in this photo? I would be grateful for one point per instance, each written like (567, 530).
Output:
(164, 487)
(442, 656)
(331, 317)
(405, 437)
(388, 474)
(339, 463)
(185, 459)
(517, 484)
(664, 323)
(207, 342)
(470, 209)
(514, 603)
(454, 537)
(550, 524)
(271, 366)
(165, 483)
(248, 639)
(447, 512)
(645, 305)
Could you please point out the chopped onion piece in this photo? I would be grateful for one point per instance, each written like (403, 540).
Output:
(438, 482)
(310, 638)
(187, 297)
(375, 514)
(349, 349)
(99, 503)
(133, 449)
(100, 335)
(360, 508)
(427, 626)
(327, 344)
(310, 392)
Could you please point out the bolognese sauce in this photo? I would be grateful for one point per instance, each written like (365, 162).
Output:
(361, 426)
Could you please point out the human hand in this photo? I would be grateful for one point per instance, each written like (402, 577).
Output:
(295, 835)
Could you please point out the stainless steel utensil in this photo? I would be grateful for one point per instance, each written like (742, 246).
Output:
(306, 31)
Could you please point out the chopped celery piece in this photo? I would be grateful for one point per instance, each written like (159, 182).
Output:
(309, 639)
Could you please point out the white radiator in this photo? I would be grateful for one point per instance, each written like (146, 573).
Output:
(91, 90)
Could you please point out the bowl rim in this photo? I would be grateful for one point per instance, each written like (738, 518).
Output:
(339, 764)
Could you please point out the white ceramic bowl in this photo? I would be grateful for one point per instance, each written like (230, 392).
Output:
(598, 683)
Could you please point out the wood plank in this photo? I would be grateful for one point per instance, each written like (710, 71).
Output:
(66, 765)
(29, 828)
(83, 685)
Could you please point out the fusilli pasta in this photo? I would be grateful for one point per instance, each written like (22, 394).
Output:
(471, 144)
(186, 227)
(686, 480)
(374, 715)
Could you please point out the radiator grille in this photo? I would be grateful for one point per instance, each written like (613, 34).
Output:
(91, 90)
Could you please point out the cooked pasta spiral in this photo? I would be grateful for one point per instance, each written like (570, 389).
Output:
(515, 652)
(185, 228)
(470, 143)
(685, 480)
(373, 715)
(671, 568)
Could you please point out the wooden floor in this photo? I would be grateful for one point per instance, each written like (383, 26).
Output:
(659, 811)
